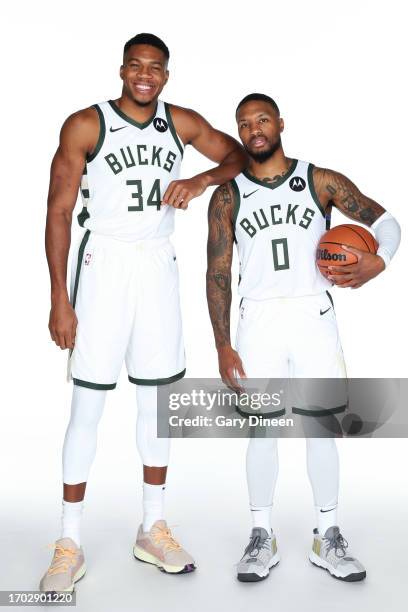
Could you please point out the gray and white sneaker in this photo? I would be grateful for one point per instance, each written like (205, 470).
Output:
(329, 553)
(67, 567)
(259, 557)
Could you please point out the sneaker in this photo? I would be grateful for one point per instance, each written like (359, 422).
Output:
(329, 552)
(259, 556)
(67, 567)
(158, 547)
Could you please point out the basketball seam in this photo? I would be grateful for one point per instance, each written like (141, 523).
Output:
(360, 236)
(331, 242)
(372, 248)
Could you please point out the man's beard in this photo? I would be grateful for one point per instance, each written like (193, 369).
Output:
(262, 156)
(142, 104)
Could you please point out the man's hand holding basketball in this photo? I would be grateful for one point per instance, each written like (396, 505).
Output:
(179, 193)
(355, 275)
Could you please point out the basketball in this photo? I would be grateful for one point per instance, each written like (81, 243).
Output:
(330, 251)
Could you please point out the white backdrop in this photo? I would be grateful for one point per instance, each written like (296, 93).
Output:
(337, 70)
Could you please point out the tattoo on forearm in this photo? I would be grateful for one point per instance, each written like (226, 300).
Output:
(219, 304)
(219, 255)
(222, 280)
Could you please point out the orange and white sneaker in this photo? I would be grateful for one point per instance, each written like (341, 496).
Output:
(158, 547)
(67, 567)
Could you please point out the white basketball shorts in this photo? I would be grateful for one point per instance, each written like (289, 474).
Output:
(297, 338)
(126, 298)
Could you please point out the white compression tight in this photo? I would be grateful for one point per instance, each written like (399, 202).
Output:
(80, 439)
(323, 470)
(81, 436)
(322, 466)
(153, 451)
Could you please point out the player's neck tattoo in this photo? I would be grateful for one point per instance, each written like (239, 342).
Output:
(277, 177)
(268, 179)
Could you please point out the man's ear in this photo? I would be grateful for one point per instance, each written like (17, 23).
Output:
(281, 124)
(121, 69)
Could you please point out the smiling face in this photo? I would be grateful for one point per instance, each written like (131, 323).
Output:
(144, 73)
(259, 128)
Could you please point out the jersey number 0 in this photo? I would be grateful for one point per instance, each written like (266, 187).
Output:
(280, 254)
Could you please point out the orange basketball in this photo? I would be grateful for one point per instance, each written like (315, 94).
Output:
(330, 251)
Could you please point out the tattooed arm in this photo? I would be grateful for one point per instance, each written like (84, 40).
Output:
(219, 260)
(333, 188)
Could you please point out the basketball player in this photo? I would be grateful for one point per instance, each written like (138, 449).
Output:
(276, 212)
(125, 155)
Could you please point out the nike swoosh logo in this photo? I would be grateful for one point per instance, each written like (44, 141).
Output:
(330, 510)
(322, 312)
(246, 195)
(117, 129)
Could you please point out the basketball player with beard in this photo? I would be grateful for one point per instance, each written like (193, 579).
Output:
(276, 212)
(125, 156)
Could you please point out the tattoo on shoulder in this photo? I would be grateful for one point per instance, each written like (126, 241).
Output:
(225, 193)
(222, 200)
(339, 190)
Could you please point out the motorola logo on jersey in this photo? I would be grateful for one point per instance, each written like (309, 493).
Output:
(160, 124)
(297, 183)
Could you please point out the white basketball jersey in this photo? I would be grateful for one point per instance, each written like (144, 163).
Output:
(277, 229)
(127, 174)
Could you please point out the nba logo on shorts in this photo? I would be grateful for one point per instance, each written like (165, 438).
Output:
(88, 259)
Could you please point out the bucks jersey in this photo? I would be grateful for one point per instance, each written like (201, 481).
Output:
(128, 173)
(277, 228)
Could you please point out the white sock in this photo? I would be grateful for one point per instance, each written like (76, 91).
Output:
(261, 517)
(71, 520)
(153, 504)
(326, 517)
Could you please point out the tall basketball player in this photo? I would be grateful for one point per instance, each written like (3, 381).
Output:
(125, 155)
(276, 212)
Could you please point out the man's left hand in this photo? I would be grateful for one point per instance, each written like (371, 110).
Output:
(355, 275)
(179, 193)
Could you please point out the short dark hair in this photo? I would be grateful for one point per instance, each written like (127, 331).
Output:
(258, 96)
(147, 39)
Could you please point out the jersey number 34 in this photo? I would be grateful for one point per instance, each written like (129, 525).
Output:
(153, 199)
